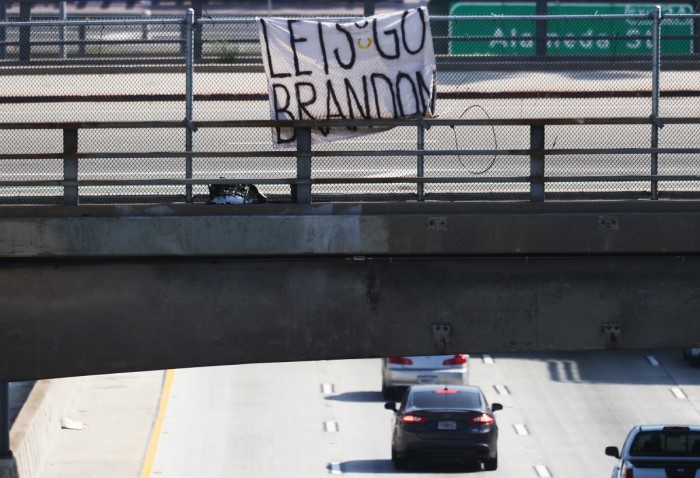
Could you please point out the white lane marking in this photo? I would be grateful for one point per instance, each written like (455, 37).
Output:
(330, 427)
(677, 392)
(501, 389)
(542, 471)
(652, 360)
(487, 358)
(327, 388)
(334, 468)
(521, 429)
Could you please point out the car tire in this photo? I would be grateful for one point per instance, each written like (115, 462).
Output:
(491, 464)
(399, 463)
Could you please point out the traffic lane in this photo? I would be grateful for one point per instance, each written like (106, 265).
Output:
(363, 443)
(559, 409)
(255, 420)
(517, 451)
(576, 404)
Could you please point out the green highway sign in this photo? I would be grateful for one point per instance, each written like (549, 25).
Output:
(569, 36)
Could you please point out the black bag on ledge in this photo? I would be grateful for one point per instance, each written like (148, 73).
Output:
(235, 194)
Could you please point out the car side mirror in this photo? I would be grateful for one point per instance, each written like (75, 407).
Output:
(496, 406)
(612, 451)
(390, 406)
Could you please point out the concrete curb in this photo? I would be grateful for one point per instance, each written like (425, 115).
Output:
(39, 422)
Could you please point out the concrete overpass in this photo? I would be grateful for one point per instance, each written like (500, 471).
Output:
(101, 289)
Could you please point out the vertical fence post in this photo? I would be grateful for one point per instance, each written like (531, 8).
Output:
(655, 94)
(82, 35)
(541, 29)
(369, 8)
(537, 163)
(189, 98)
(62, 30)
(70, 166)
(145, 27)
(420, 187)
(3, 30)
(198, 44)
(25, 46)
(301, 193)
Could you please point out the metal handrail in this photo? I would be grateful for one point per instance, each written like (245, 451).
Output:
(72, 156)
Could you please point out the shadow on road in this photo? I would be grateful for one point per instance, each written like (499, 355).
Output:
(386, 467)
(360, 396)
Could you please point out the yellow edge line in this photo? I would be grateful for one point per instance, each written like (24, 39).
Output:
(158, 425)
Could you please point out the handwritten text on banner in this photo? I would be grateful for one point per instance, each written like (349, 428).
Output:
(382, 66)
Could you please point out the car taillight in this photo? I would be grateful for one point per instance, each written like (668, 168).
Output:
(459, 359)
(627, 471)
(401, 360)
(412, 419)
(482, 419)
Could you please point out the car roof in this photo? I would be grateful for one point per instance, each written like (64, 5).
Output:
(656, 428)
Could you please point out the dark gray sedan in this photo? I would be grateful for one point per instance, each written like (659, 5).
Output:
(446, 424)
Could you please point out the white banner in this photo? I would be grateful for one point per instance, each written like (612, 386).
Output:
(382, 66)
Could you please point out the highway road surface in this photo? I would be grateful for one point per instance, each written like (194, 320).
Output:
(319, 418)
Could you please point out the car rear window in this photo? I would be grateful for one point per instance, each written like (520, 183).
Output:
(461, 399)
(666, 443)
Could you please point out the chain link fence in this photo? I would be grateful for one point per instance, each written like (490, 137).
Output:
(640, 64)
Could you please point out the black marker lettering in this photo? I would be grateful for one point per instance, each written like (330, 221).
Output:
(330, 94)
(351, 63)
(269, 55)
(303, 104)
(363, 25)
(286, 114)
(292, 42)
(405, 77)
(380, 76)
(349, 90)
(424, 91)
(322, 44)
(422, 36)
(391, 32)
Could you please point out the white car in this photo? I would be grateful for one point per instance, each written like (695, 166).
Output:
(399, 373)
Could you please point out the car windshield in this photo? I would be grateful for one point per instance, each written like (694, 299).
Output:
(431, 399)
(666, 443)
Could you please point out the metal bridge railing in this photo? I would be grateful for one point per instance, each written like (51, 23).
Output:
(303, 181)
(124, 86)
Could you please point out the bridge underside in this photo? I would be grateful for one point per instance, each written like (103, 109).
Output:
(101, 290)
